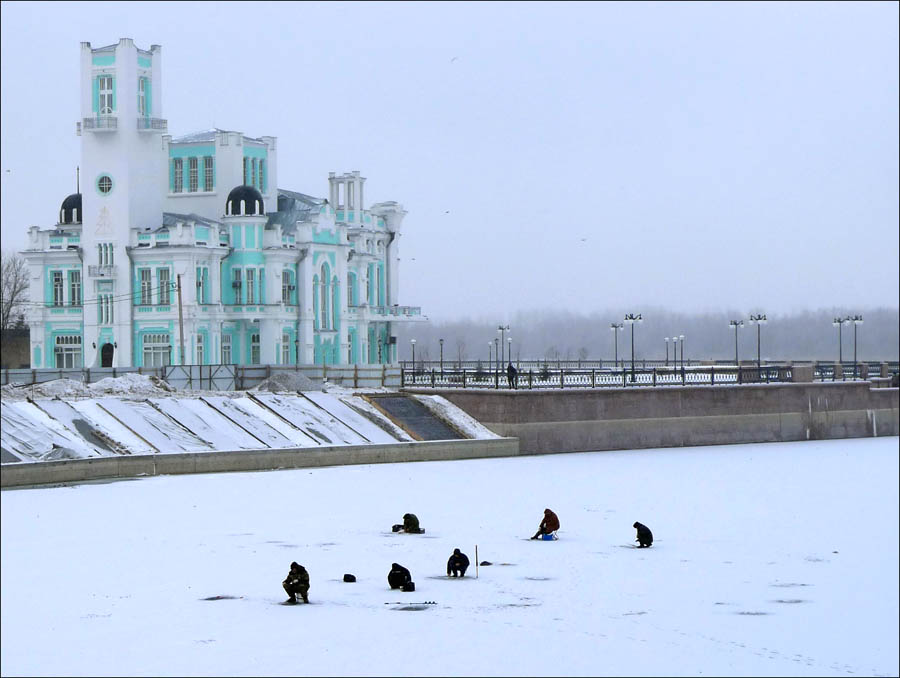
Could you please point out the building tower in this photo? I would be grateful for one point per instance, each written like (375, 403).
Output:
(124, 171)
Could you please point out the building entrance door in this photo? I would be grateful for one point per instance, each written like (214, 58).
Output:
(106, 355)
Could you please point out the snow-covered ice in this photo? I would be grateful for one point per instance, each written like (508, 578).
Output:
(770, 560)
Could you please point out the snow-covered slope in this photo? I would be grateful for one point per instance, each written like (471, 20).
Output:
(137, 414)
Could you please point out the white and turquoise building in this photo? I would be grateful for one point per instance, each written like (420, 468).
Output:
(196, 224)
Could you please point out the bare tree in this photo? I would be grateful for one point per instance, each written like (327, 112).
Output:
(460, 350)
(14, 289)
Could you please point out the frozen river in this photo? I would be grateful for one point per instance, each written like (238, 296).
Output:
(770, 559)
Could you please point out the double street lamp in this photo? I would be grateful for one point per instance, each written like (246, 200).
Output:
(441, 342)
(736, 324)
(614, 327)
(839, 323)
(758, 320)
(501, 329)
(631, 319)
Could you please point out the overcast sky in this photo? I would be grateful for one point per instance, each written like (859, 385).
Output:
(550, 155)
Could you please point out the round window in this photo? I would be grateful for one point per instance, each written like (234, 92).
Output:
(104, 184)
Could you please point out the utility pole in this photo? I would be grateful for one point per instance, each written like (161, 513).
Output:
(180, 318)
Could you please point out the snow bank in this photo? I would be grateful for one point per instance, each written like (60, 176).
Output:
(131, 383)
(287, 381)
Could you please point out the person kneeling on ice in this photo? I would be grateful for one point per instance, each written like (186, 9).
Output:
(297, 581)
(644, 535)
(411, 524)
(549, 524)
(457, 564)
(398, 576)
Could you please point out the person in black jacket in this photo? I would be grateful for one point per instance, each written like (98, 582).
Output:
(512, 376)
(644, 535)
(457, 564)
(297, 581)
(398, 576)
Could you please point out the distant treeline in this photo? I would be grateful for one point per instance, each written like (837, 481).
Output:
(806, 335)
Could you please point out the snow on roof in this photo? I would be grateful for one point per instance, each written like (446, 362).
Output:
(208, 135)
(172, 218)
(294, 206)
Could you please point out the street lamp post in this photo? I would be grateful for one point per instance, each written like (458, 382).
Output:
(441, 342)
(413, 342)
(839, 323)
(681, 339)
(856, 320)
(501, 329)
(496, 355)
(509, 348)
(614, 327)
(490, 357)
(736, 324)
(758, 319)
(667, 351)
(631, 319)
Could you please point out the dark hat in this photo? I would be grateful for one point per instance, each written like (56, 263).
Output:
(455, 552)
(349, 578)
(294, 566)
(635, 524)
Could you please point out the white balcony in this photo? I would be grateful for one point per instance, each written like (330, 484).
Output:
(100, 123)
(152, 125)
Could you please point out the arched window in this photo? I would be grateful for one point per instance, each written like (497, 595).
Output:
(323, 298)
(335, 305)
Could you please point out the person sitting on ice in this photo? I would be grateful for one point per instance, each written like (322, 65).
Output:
(297, 581)
(457, 564)
(549, 524)
(411, 524)
(399, 576)
(644, 535)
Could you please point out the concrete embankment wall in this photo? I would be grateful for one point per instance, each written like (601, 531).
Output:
(107, 468)
(631, 418)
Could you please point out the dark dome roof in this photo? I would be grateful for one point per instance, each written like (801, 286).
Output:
(244, 200)
(70, 210)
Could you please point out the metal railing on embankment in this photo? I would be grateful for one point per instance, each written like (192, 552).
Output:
(596, 378)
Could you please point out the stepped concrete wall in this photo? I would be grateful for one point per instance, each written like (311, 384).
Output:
(110, 468)
(570, 420)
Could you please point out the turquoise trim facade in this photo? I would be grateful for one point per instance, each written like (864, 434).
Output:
(256, 152)
(144, 62)
(103, 60)
(187, 151)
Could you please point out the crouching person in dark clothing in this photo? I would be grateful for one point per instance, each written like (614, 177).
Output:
(644, 535)
(398, 576)
(457, 564)
(411, 524)
(297, 581)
